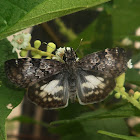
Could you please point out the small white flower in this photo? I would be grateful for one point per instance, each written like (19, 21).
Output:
(9, 106)
(20, 41)
(60, 53)
(126, 41)
(129, 64)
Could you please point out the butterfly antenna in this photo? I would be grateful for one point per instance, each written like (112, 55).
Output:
(79, 44)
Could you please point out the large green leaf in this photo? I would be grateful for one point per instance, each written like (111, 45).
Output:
(133, 76)
(118, 135)
(124, 111)
(125, 18)
(88, 129)
(8, 93)
(15, 15)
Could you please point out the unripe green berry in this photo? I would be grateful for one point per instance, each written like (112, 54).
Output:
(117, 95)
(137, 95)
(37, 56)
(23, 53)
(122, 88)
(37, 44)
(123, 96)
(51, 47)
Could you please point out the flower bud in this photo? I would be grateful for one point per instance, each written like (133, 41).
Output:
(137, 95)
(37, 44)
(23, 53)
(123, 96)
(51, 47)
(117, 95)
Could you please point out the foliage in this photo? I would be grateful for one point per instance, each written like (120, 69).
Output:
(118, 21)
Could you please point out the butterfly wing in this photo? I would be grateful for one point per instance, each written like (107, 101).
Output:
(25, 71)
(51, 92)
(111, 62)
(93, 87)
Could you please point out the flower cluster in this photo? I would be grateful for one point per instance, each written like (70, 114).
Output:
(22, 42)
(120, 92)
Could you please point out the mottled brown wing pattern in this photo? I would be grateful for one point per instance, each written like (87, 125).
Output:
(93, 87)
(27, 71)
(111, 62)
(51, 92)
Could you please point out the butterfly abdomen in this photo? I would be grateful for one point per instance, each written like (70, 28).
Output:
(72, 88)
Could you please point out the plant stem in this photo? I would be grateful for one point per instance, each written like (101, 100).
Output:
(42, 53)
(131, 99)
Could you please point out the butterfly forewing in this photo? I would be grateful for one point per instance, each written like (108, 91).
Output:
(26, 71)
(110, 62)
(51, 92)
(93, 87)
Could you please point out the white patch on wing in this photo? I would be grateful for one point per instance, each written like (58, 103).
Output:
(57, 98)
(93, 82)
(49, 99)
(51, 87)
(102, 85)
(100, 78)
(89, 93)
(57, 89)
(44, 99)
(88, 85)
(42, 94)
(96, 92)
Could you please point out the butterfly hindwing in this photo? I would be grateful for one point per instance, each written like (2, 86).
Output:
(25, 71)
(93, 87)
(51, 92)
(111, 62)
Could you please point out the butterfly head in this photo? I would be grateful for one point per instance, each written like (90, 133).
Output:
(69, 55)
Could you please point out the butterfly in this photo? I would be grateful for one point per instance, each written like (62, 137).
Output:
(51, 83)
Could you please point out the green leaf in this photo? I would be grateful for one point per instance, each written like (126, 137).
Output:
(118, 136)
(8, 93)
(28, 120)
(88, 129)
(136, 58)
(124, 111)
(16, 15)
(133, 76)
(136, 128)
(125, 18)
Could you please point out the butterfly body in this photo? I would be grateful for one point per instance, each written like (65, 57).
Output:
(51, 83)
